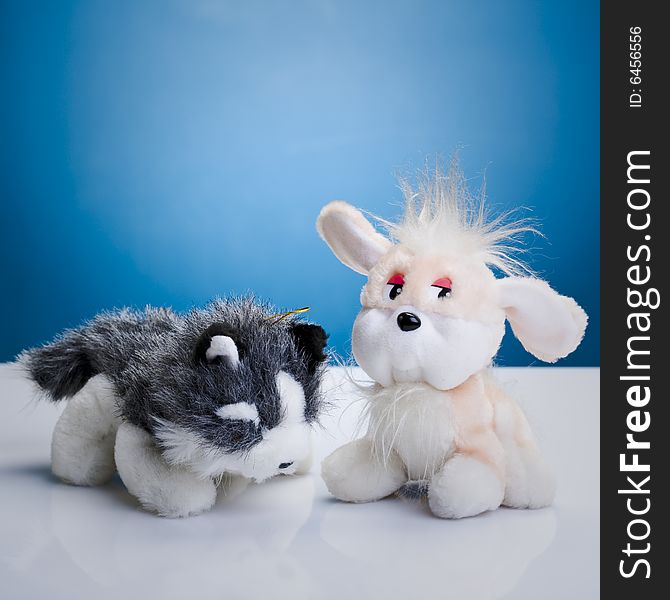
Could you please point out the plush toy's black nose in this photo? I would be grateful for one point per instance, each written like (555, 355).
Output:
(285, 465)
(408, 321)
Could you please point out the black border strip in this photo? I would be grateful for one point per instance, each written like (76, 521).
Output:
(634, 125)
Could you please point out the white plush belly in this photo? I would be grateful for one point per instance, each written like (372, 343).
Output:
(413, 420)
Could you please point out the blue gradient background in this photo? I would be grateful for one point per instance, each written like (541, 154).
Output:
(166, 152)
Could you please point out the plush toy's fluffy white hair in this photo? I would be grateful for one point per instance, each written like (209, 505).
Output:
(442, 215)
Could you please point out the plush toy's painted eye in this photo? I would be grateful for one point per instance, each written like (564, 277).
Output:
(444, 286)
(394, 286)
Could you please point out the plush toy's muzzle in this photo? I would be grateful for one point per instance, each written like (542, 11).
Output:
(410, 345)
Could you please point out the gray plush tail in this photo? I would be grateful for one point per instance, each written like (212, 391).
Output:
(61, 368)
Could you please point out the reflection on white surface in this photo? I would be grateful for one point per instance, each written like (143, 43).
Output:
(287, 538)
(477, 559)
(174, 555)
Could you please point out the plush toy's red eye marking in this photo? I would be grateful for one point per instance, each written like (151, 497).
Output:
(443, 282)
(444, 285)
(394, 286)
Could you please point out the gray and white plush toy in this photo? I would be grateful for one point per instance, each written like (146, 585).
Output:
(174, 402)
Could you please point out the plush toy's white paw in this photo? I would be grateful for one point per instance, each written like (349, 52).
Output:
(530, 480)
(82, 445)
(183, 495)
(463, 488)
(170, 491)
(353, 474)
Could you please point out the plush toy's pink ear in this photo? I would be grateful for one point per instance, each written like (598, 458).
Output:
(548, 325)
(351, 237)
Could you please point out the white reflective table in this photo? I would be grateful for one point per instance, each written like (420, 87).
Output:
(288, 538)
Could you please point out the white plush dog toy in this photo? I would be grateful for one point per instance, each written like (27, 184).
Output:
(432, 320)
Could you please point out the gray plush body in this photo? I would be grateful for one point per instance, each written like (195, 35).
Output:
(169, 381)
